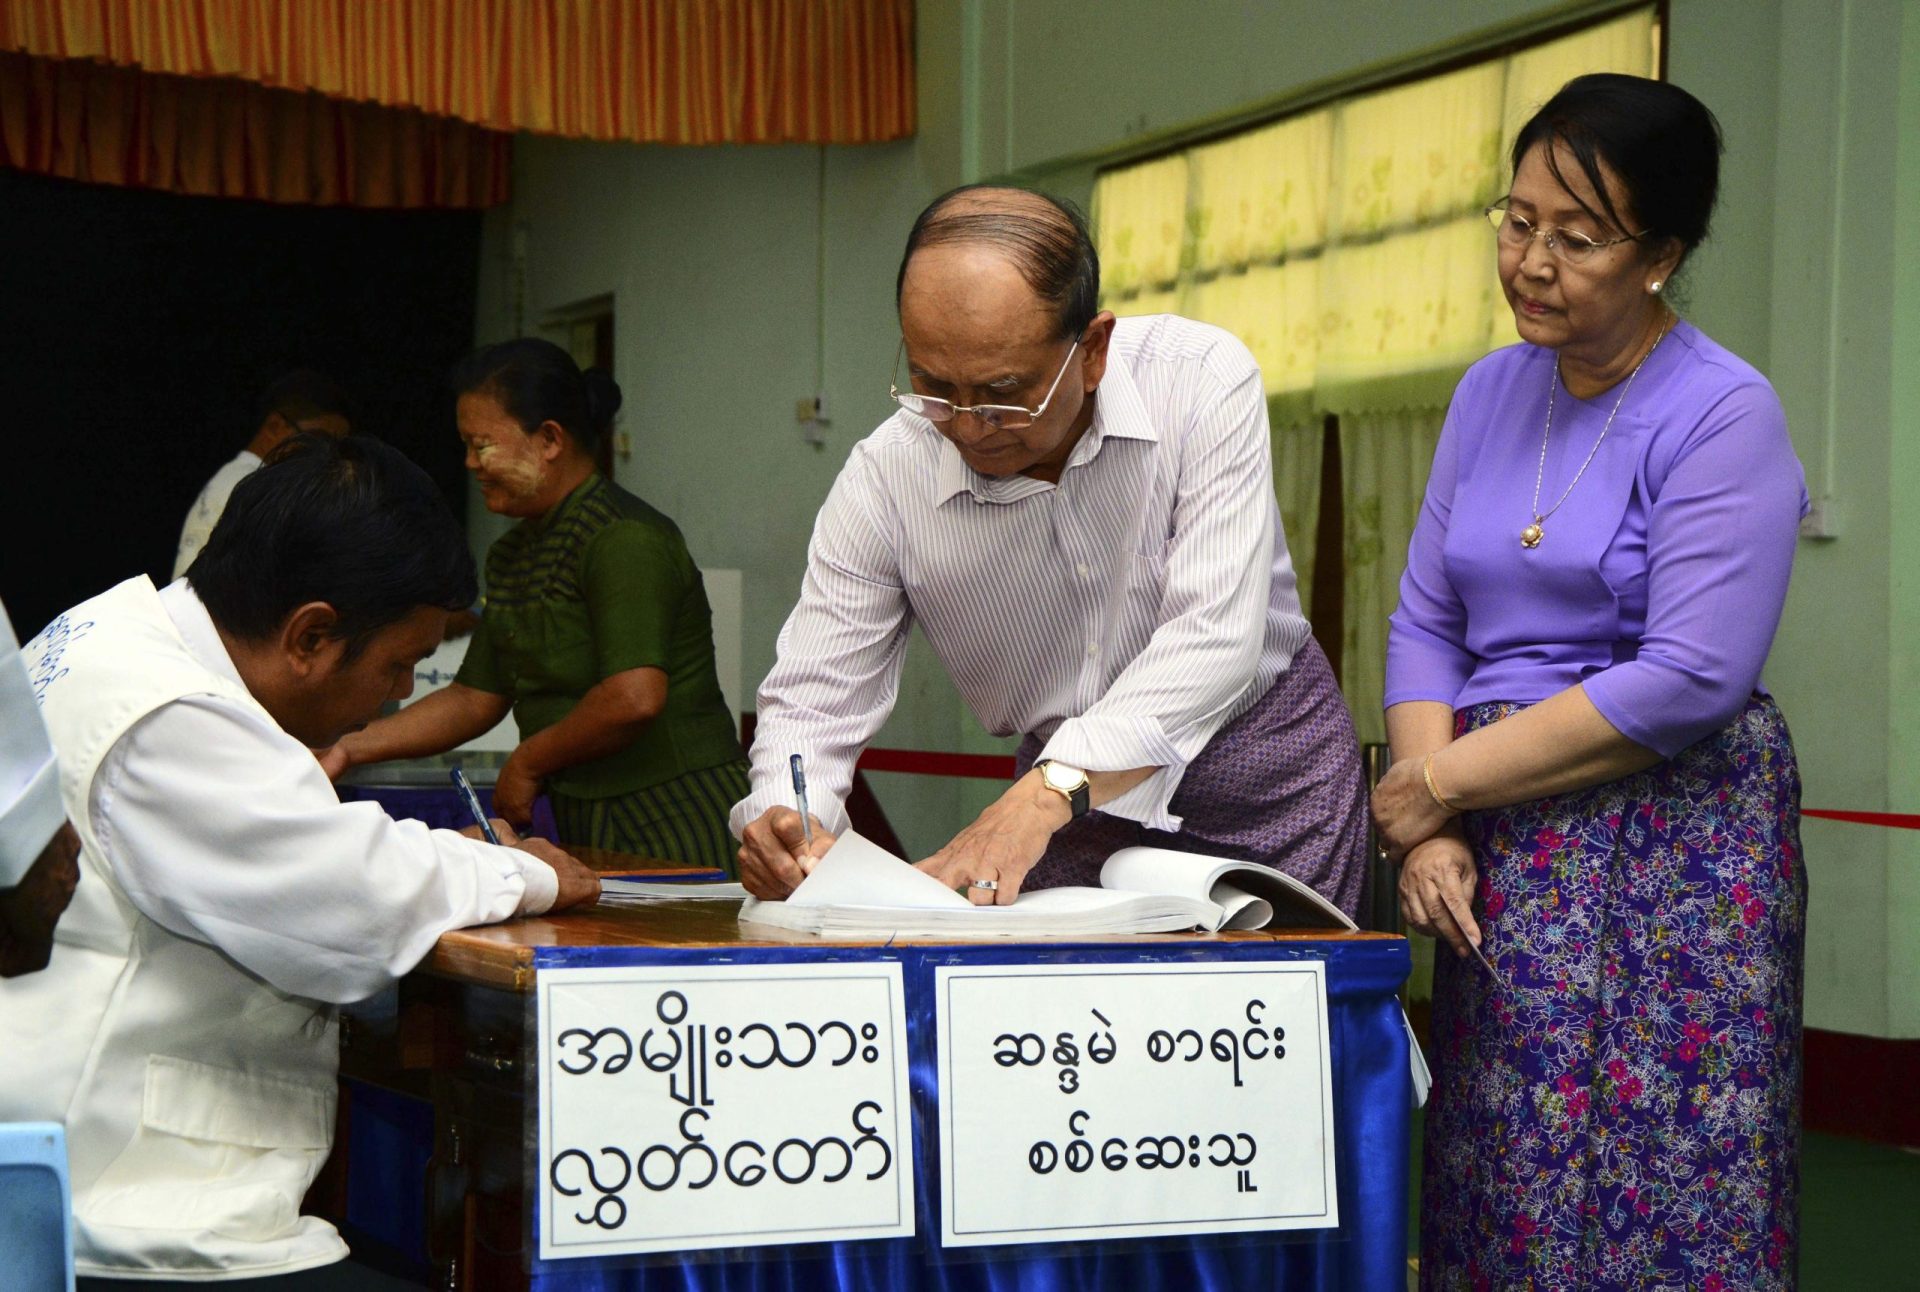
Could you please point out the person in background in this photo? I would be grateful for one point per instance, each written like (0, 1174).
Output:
(596, 631)
(1588, 781)
(1079, 513)
(301, 400)
(185, 1029)
(39, 851)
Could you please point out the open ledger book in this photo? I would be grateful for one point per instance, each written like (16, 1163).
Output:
(861, 890)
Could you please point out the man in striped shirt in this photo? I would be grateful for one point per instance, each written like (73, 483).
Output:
(1079, 513)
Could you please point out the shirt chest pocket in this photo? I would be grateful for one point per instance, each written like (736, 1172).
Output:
(218, 1152)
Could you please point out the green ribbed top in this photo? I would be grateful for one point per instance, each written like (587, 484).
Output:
(602, 584)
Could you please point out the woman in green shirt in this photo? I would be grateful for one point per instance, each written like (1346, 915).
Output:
(596, 631)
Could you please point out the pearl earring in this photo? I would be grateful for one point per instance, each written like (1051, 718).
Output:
(1655, 286)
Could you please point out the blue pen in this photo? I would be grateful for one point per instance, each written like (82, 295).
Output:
(473, 804)
(800, 793)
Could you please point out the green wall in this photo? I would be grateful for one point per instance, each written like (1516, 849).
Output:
(746, 278)
(1900, 254)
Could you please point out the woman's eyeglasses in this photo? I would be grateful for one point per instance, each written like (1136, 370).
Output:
(1570, 245)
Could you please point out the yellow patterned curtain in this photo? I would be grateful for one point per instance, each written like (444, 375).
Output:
(1141, 213)
(1346, 247)
(647, 71)
(1405, 282)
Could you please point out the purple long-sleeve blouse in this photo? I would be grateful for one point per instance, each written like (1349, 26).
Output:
(1659, 582)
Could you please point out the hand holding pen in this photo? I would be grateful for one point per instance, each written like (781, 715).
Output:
(781, 846)
(578, 884)
(810, 851)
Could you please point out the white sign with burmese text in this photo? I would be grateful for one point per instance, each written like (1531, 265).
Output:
(690, 1107)
(1117, 1101)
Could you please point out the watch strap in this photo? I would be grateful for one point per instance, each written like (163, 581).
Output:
(1079, 799)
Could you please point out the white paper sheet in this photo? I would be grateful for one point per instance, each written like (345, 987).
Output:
(858, 872)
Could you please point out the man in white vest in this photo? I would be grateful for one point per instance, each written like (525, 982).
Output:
(185, 1028)
(39, 852)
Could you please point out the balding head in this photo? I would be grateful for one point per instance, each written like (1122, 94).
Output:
(1044, 240)
(999, 306)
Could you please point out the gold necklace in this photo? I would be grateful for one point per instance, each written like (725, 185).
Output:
(1530, 536)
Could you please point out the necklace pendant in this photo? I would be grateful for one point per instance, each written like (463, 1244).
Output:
(1530, 536)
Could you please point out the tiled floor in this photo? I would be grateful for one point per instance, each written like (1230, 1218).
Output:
(1859, 1215)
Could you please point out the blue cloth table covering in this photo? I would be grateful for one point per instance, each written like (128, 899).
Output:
(440, 806)
(1371, 1103)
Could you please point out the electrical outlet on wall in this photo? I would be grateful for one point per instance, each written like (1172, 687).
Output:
(811, 413)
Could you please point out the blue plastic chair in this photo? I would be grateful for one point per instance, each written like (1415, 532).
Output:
(36, 1232)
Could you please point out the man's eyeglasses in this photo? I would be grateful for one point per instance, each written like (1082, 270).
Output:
(1001, 417)
(1570, 245)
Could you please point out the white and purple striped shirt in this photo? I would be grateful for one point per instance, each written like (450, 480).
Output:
(1125, 615)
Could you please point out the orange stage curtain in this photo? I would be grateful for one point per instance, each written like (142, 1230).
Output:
(227, 138)
(647, 71)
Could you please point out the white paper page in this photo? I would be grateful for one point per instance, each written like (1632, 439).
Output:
(1417, 1063)
(779, 915)
(1047, 912)
(1243, 910)
(655, 890)
(858, 872)
(1160, 870)
(1068, 902)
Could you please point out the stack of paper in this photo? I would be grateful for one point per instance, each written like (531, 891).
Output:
(861, 890)
(624, 891)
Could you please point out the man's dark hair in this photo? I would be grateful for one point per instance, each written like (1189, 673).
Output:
(303, 393)
(1662, 143)
(1046, 239)
(347, 521)
(536, 381)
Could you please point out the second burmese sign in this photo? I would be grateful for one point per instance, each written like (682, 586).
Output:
(1118, 1101)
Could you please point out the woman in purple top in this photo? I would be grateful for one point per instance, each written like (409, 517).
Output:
(1591, 796)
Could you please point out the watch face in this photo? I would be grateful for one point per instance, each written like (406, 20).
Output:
(1064, 778)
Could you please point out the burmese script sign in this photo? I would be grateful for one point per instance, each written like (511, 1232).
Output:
(689, 1107)
(1119, 1101)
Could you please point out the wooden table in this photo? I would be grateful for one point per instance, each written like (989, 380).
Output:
(502, 955)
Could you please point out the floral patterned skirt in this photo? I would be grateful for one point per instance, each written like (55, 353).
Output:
(1622, 1108)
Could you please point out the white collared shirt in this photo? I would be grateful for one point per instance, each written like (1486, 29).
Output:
(207, 508)
(220, 827)
(30, 809)
(1125, 615)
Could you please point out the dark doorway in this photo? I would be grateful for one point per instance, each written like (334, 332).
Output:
(139, 328)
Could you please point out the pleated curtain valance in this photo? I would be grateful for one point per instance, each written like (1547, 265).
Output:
(645, 71)
(225, 138)
(413, 103)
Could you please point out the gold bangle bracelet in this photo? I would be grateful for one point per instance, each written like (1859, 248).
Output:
(1426, 773)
